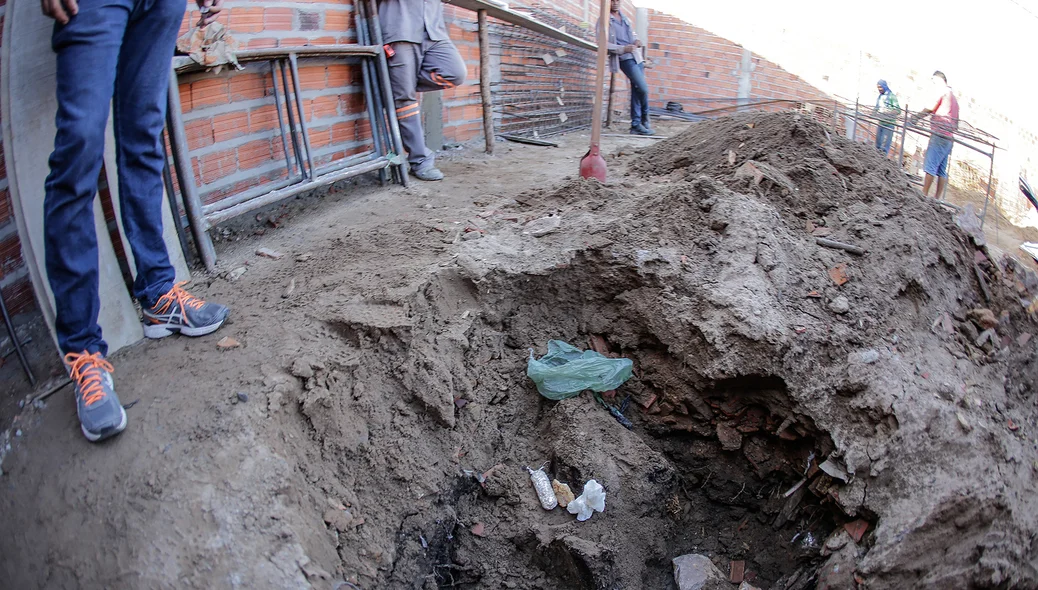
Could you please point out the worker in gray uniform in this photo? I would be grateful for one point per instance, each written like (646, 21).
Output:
(421, 59)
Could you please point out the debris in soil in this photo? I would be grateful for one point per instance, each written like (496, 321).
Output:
(838, 274)
(700, 279)
(592, 500)
(268, 253)
(227, 343)
(566, 370)
(736, 571)
(289, 289)
(542, 486)
(236, 274)
(541, 227)
(243, 397)
(697, 572)
(856, 529)
(477, 529)
(562, 493)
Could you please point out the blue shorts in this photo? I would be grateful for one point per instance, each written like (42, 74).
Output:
(937, 155)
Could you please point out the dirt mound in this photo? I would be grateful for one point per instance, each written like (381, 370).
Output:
(832, 419)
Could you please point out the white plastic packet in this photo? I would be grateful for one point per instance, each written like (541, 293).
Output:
(589, 502)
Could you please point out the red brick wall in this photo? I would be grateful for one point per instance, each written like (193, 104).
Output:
(230, 117)
(692, 63)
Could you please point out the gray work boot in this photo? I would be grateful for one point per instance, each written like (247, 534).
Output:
(100, 413)
(429, 173)
(182, 312)
(640, 130)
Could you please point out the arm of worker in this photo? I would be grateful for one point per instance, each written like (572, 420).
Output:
(210, 9)
(60, 10)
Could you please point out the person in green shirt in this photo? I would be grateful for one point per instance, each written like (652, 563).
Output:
(886, 110)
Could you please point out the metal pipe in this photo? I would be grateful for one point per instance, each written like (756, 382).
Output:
(347, 162)
(274, 197)
(291, 120)
(379, 135)
(247, 195)
(281, 116)
(186, 175)
(854, 130)
(171, 198)
(484, 82)
(296, 90)
(383, 65)
(16, 343)
(185, 64)
(904, 134)
(987, 198)
(609, 109)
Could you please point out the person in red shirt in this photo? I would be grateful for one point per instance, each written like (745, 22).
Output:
(943, 125)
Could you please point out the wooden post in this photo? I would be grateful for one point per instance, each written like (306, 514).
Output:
(609, 109)
(484, 81)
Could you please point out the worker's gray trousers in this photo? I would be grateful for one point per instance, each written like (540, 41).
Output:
(421, 67)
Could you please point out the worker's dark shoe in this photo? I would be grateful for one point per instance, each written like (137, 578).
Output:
(180, 311)
(100, 413)
(429, 173)
(639, 130)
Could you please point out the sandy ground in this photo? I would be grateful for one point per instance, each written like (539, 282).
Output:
(373, 427)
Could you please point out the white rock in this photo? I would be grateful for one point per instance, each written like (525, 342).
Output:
(543, 226)
(697, 572)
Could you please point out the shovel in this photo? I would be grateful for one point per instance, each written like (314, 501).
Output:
(592, 165)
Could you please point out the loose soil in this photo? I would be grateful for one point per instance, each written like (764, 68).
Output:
(374, 428)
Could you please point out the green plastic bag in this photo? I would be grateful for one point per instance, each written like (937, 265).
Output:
(566, 371)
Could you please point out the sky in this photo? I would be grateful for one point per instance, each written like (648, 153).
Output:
(986, 49)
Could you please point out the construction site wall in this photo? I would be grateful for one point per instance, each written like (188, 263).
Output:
(230, 117)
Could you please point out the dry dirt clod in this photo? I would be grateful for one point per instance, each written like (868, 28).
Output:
(840, 305)
(984, 318)
(236, 274)
(268, 253)
(227, 343)
(290, 289)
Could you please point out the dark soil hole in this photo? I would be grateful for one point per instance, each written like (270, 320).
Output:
(727, 467)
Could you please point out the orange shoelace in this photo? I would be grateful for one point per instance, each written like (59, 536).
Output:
(180, 296)
(89, 381)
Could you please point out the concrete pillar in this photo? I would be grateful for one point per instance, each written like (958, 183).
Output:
(746, 67)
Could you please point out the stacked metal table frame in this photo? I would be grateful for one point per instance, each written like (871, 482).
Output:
(302, 174)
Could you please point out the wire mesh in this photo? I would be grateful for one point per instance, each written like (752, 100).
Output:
(544, 87)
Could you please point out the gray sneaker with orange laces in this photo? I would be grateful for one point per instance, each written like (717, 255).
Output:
(182, 312)
(100, 413)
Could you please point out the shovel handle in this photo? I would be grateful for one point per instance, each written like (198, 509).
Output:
(603, 51)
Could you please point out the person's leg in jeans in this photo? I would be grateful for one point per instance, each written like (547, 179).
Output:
(121, 48)
(139, 109)
(639, 93)
(884, 137)
(646, 123)
(87, 50)
(87, 59)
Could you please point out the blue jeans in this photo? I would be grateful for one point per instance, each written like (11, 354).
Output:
(938, 152)
(114, 52)
(635, 72)
(884, 137)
